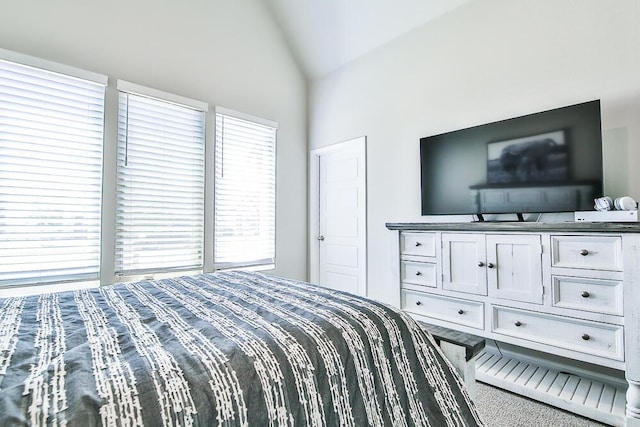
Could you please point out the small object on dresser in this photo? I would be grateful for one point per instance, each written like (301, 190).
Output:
(625, 203)
(606, 216)
(603, 204)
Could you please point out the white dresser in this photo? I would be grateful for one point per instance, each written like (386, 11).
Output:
(547, 294)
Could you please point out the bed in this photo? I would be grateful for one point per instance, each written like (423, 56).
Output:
(228, 349)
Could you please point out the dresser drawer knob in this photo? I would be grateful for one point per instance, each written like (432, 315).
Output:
(584, 252)
(585, 294)
(480, 264)
(461, 311)
(418, 273)
(418, 244)
(518, 323)
(418, 303)
(490, 265)
(586, 337)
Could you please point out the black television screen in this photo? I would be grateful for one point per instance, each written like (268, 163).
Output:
(543, 162)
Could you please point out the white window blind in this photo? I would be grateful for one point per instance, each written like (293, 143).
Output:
(160, 183)
(245, 196)
(51, 135)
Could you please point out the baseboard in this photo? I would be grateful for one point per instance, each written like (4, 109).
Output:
(598, 399)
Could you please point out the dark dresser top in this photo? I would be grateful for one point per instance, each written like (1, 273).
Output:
(611, 227)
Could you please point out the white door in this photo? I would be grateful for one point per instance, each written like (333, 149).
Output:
(338, 216)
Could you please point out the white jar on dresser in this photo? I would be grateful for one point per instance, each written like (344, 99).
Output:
(550, 294)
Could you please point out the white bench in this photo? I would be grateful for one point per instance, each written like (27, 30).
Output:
(460, 349)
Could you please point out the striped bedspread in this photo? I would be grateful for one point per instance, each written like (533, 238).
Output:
(229, 349)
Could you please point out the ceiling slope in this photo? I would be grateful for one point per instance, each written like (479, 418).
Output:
(327, 34)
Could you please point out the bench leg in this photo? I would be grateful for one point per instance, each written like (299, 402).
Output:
(467, 369)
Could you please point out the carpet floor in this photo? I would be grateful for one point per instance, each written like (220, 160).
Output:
(500, 408)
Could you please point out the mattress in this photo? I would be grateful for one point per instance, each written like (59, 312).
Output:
(227, 349)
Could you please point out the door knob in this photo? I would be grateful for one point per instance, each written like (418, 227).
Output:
(321, 238)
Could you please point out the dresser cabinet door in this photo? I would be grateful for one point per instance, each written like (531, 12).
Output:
(464, 263)
(514, 267)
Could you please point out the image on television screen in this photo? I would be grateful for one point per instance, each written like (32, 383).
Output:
(538, 158)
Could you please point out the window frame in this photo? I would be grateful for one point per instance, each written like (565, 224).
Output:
(125, 87)
(58, 282)
(269, 263)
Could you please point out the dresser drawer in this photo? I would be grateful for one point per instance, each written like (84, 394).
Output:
(599, 339)
(420, 244)
(587, 252)
(418, 273)
(595, 295)
(463, 312)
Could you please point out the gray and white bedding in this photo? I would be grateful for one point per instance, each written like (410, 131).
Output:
(228, 349)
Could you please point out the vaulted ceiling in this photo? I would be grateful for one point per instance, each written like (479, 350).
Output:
(327, 34)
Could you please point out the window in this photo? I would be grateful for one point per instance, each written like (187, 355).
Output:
(160, 182)
(245, 154)
(51, 134)
(52, 185)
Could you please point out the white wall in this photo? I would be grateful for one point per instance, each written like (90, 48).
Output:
(226, 53)
(486, 61)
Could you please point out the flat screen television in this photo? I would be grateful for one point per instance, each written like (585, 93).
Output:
(549, 161)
